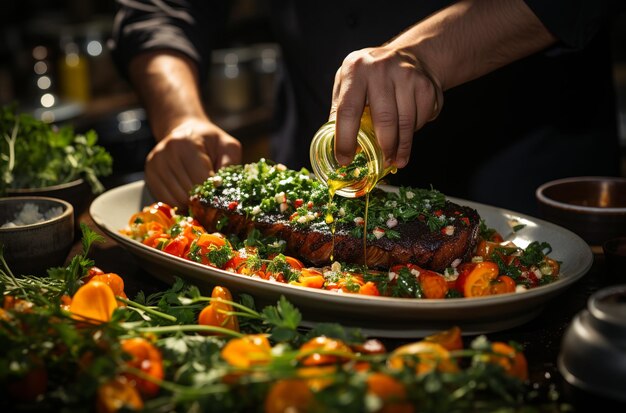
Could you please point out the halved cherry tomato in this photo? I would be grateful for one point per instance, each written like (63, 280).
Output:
(310, 277)
(502, 285)
(151, 233)
(177, 246)
(433, 285)
(369, 288)
(151, 214)
(236, 262)
(294, 263)
(216, 239)
(478, 282)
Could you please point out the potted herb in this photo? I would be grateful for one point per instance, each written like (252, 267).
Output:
(35, 155)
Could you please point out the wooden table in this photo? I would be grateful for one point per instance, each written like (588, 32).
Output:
(540, 338)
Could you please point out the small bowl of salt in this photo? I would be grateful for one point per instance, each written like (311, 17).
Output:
(36, 233)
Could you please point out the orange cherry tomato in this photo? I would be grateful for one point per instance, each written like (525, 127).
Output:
(151, 213)
(390, 391)
(502, 285)
(510, 359)
(94, 302)
(323, 350)
(249, 350)
(117, 394)
(369, 288)
(216, 239)
(450, 339)
(289, 395)
(294, 263)
(428, 356)
(236, 262)
(311, 278)
(152, 233)
(112, 280)
(147, 358)
(433, 285)
(479, 280)
(216, 313)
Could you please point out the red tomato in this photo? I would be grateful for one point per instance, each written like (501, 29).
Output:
(178, 246)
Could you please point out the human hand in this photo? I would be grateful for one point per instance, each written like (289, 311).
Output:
(187, 156)
(401, 92)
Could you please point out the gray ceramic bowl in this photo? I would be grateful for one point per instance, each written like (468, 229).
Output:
(32, 248)
(594, 207)
(78, 193)
(593, 351)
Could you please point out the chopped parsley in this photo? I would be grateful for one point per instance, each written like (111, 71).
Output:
(265, 188)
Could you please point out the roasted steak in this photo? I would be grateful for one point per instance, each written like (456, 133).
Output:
(409, 226)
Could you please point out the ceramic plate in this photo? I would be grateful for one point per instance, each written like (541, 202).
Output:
(376, 316)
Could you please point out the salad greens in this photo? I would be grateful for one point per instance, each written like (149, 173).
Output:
(35, 154)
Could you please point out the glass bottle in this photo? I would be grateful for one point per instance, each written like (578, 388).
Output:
(325, 165)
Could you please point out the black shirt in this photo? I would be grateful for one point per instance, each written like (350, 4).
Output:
(499, 137)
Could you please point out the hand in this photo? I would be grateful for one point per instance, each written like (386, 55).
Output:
(402, 93)
(187, 156)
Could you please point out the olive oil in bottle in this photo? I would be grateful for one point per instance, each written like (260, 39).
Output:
(354, 180)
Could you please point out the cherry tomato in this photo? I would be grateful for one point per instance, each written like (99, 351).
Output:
(314, 352)
(430, 356)
(116, 394)
(147, 358)
(289, 395)
(450, 339)
(249, 350)
(510, 359)
(217, 312)
(478, 281)
(433, 285)
(177, 246)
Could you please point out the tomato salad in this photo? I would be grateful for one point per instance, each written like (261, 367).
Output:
(496, 266)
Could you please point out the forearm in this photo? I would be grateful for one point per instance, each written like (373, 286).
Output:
(167, 84)
(474, 37)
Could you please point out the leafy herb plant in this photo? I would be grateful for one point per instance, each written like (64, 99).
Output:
(35, 154)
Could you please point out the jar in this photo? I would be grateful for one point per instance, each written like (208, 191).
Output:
(324, 163)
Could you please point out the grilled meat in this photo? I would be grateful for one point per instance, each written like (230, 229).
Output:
(416, 243)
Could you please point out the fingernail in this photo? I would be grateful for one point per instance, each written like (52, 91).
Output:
(401, 162)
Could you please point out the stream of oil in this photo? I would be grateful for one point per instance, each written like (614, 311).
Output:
(333, 187)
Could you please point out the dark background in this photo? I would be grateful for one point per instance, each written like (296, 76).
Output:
(239, 101)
